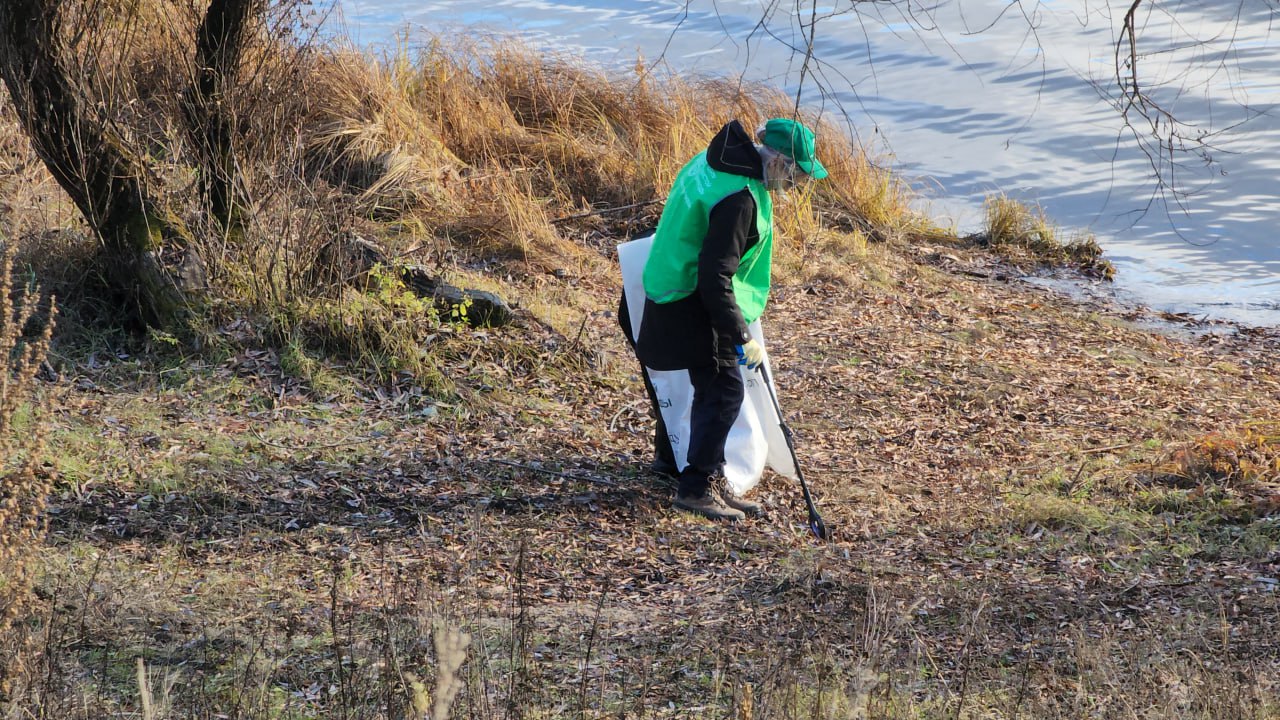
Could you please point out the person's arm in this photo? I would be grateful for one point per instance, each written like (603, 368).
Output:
(730, 233)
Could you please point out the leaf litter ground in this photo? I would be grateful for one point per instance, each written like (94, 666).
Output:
(994, 461)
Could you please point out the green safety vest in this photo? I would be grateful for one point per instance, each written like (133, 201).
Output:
(671, 273)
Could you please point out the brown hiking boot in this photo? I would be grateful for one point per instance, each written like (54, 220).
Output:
(709, 505)
(737, 502)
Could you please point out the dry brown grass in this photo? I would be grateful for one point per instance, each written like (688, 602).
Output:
(1249, 456)
(1025, 236)
(545, 137)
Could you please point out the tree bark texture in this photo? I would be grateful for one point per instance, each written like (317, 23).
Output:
(95, 168)
(220, 42)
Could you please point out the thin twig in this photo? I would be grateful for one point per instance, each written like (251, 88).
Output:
(965, 659)
(614, 421)
(586, 660)
(1091, 451)
(605, 211)
(336, 646)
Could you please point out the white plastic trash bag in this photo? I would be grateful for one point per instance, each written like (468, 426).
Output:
(755, 441)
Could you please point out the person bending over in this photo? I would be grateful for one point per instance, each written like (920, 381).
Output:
(707, 278)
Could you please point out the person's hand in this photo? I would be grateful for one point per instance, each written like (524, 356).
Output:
(750, 354)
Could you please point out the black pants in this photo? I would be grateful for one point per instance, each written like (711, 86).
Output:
(717, 397)
(664, 459)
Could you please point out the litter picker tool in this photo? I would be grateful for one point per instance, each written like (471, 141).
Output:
(816, 526)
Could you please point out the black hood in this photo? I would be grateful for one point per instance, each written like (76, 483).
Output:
(732, 151)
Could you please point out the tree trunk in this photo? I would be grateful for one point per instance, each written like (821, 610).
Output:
(91, 163)
(219, 44)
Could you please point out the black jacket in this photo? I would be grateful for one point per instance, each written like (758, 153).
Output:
(704, 328)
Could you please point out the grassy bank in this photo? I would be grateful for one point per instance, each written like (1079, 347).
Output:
(332, 501)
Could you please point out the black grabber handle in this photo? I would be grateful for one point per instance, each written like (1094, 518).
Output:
(816, 526)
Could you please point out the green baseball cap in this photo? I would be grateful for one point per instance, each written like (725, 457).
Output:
(795, 141)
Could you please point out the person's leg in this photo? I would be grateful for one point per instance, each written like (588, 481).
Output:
(717, 397)
(664, 460)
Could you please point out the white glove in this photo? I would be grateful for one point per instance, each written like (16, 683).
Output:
(750, 354)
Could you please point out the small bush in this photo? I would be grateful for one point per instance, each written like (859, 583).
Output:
(1248, 457)
(1025, 236)
(1241, 469)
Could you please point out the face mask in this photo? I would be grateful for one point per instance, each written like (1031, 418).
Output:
(780, 172)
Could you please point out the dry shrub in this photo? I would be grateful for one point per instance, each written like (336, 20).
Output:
(1243, 467)
(24, 484)
(1025, 236)
(130, 63)
(1252, 456)
(1226, 481)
